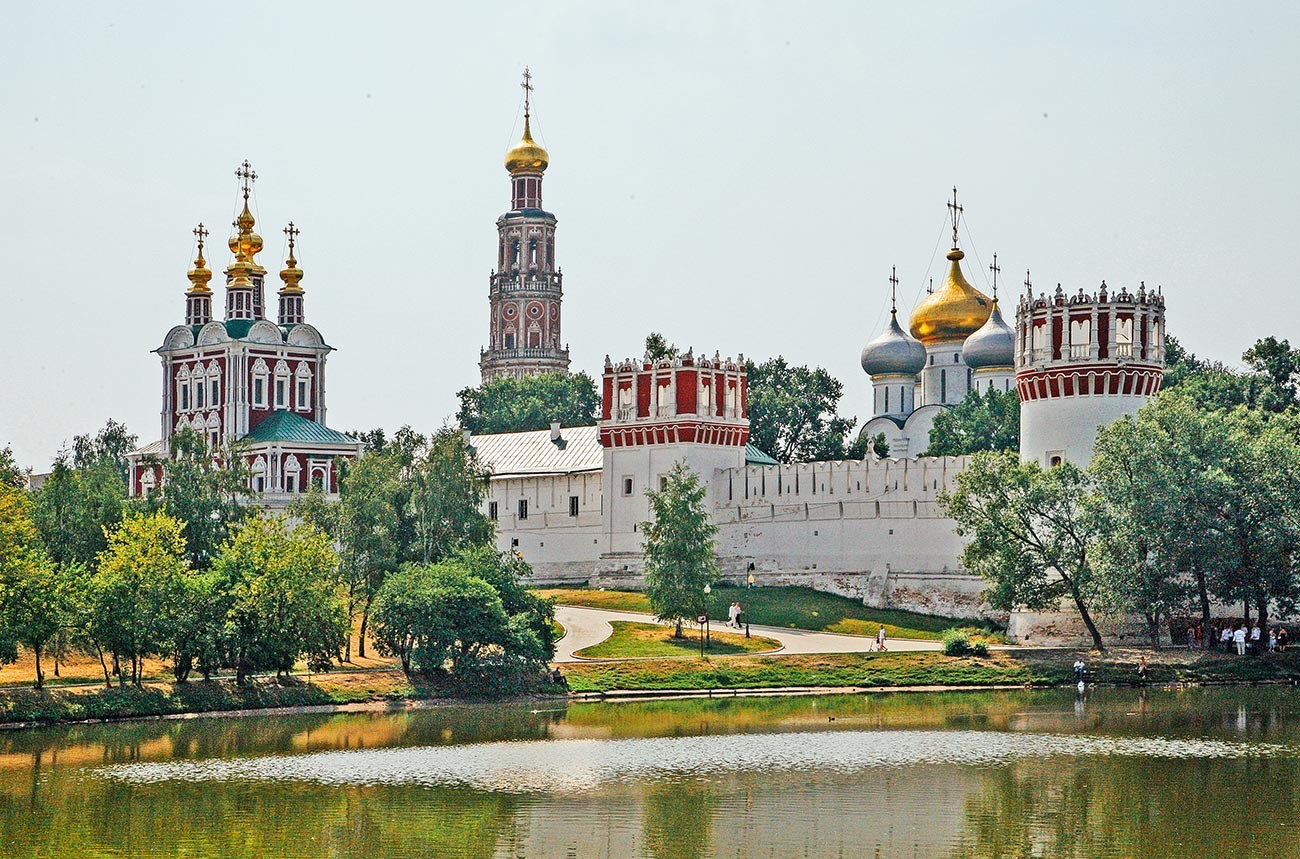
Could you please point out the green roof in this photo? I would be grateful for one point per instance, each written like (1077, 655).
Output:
(237, 329)
(286, 426)
(754, 456)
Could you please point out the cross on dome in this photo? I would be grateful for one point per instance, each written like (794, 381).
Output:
(893, 290)
(955, 211)
(528, 90)
(996, 269)
(247, 176)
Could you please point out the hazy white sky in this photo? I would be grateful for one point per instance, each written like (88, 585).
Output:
(740, 176)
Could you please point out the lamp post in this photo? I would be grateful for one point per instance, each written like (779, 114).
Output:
(704, 633)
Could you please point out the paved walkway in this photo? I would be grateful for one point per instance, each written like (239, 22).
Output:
(584, 627)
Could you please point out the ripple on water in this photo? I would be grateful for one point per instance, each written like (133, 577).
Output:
(579, 765)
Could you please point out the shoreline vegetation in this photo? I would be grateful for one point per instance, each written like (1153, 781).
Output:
(24, 707)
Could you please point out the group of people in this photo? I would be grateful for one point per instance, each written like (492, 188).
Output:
(1244, 640)
(733, 616)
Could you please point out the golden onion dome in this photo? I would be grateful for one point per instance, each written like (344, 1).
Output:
(245, 244)
(954, 311)
(200, 274)
(527, 156)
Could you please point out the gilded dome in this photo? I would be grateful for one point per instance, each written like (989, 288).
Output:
(527, 156)
(893, 353)
(994, 345)
(954, 311)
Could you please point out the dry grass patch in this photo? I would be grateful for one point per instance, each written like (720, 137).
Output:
(650, 640)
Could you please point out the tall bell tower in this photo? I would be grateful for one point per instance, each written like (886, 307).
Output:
(526, 288)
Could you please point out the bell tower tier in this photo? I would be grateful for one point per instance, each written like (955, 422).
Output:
(526, 288)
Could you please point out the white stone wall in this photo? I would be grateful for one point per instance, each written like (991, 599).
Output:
(560, 547)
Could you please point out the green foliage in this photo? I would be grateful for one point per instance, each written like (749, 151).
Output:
(448, 485)
(879, 446)
(792, 412)
(956, 642)
(529, 403)
(204, 493)
(450, 623)
(10, 474)
(31, 601)
(134, 592)
(1028, 533)
(109, 447)
(982, 421)
(657, 347)
(77, 505)
(679, 547)
(280, 593)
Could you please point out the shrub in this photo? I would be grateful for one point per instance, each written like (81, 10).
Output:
(955, 643)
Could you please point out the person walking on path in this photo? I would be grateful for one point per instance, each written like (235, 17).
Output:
(1079, 669)
(1254, 640)
(880, 639)
(1225, 638)
(1281, 640)
(1272, 641)
(1239, 639)
(733, 612)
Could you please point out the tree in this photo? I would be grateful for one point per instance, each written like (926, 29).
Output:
(1028, 533)
(10, 474)
(139, 580)
(366, 523)
(31, 609)
(76, 507)
(507, 573)
(448, 486)
(982, 421)
(657, 348)
(280, 590)
(1159, 493)
(679, 547)
(1277, 373)
(792, 412)
(529, 403)
(203, 490)
(110, 445)
(452, 626)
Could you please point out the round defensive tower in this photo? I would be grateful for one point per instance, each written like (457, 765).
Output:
(1084, 361)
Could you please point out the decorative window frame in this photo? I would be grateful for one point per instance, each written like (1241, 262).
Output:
(184, 400)
(214, 385)
(147, 483)
(280, 388)
(302, 387)
(292, 470)
(263, 373)
(257, 475)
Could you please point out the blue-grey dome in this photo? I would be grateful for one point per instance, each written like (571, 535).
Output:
(993, 345)
(893, 353)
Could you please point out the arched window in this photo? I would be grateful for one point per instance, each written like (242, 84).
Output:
(532, 253)
(183, 389)
(214, 384)
(291, 472)
(886, 400)
(943, 386)
(257, 478)
(147, 483)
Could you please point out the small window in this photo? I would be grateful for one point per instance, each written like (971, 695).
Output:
(573, 505)
(663, 482)
(523, 508)
(1055, 458)
(302, 394)
(291, 483)
(931, 360)
(280, 393)
(627, 486)
(198, 395)
(493, 511)
(956, 357)
(185, 398)
(215, 395)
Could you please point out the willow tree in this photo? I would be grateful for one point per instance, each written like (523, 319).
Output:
(679, 546)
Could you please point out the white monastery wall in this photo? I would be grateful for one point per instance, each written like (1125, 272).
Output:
(1066, 427)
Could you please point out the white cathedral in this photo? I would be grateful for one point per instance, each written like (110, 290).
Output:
(571, 500)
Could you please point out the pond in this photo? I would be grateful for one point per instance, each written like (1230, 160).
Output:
(1118, 773)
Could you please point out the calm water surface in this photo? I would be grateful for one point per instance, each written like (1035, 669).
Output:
(1189, 774)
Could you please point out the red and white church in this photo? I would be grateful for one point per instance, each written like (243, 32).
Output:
(248, 384)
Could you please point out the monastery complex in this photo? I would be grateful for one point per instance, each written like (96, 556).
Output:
(571, 499)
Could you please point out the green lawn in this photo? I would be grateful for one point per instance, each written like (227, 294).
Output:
(799, 608)
(650, 639)
(1035, 668)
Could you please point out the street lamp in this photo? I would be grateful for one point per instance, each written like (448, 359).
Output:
(707, 590)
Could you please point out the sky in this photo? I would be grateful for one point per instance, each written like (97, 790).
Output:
(740, 176)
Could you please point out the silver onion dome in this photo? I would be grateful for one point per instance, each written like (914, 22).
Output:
(893, 353)
(993, 345)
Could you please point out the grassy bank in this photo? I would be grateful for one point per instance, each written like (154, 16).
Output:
(163, 699)
(649, 639)
(798, 608)
(1035, 668)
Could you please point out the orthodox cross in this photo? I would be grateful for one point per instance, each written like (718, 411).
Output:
(956, 212)
(246, 177)
(292, 232)
(1029, 287)
(202, 234)
(996, 271)
(528, 89)
(893, 289)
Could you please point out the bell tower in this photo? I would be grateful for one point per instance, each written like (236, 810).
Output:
(526, 288)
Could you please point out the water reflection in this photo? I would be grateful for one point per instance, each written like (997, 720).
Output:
(1024, 774)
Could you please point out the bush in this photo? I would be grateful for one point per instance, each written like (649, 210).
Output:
(956, 642)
